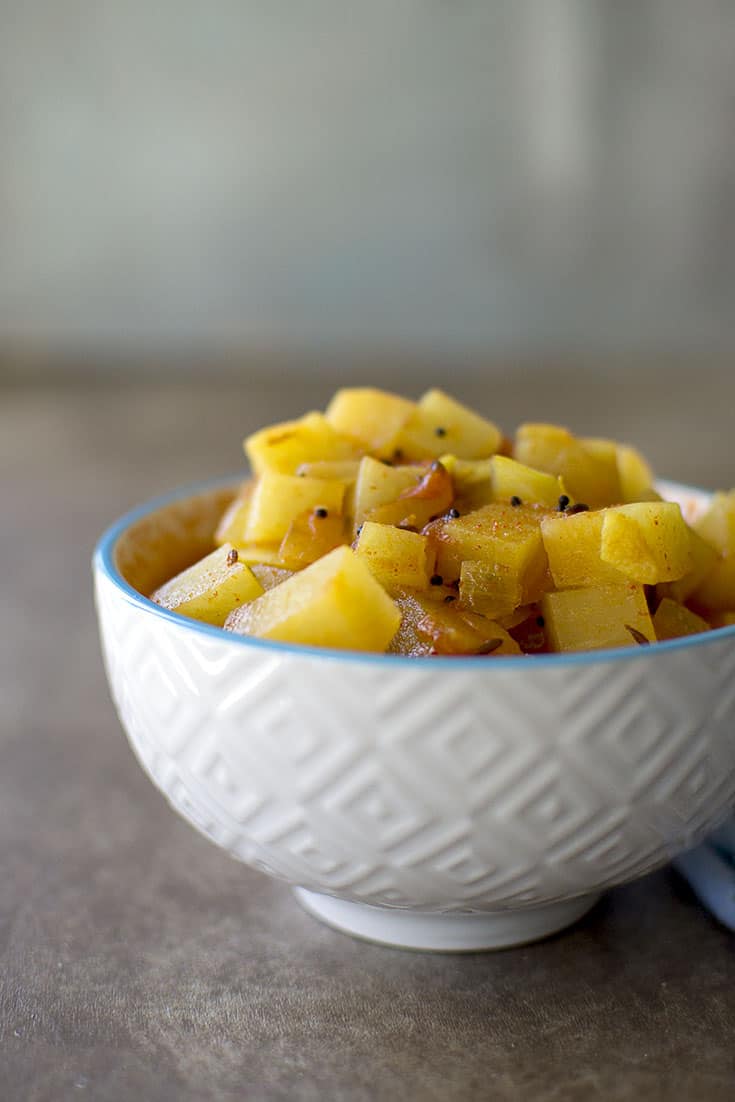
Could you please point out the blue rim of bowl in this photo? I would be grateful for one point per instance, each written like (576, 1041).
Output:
(103, 559)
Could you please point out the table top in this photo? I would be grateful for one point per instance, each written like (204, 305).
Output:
(136, 959)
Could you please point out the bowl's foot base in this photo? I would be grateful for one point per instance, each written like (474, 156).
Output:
(448, 933)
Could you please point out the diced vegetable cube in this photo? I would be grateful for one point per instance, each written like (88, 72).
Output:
(211, 588)
(286, 446)
(279, 498)
(589, 468)
(703, 559)
(440, 424)
(231, 528)
(398, 559)
(636, 476)
(378, 484)
(672, 620)
(472, 480)
(496, 535)
(310, 535)
(373, 417)
(341, 470)
(420, 502)
(717, 525)
(597, 617)
(491, 589)
(510, 479)
(717, 591)
(544, 447)
(607, 471)
(572, 544)
(647, 541)
(335, 602)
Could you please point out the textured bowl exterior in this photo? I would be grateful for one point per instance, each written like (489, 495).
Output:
(434, 784)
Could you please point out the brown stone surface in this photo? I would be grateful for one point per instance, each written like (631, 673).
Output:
(137, 961)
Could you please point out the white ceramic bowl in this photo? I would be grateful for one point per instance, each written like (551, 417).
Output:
(437, 803)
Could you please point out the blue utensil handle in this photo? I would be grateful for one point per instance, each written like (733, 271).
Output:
(710, 872)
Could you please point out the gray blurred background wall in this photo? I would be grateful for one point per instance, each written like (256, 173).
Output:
(452, 175)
